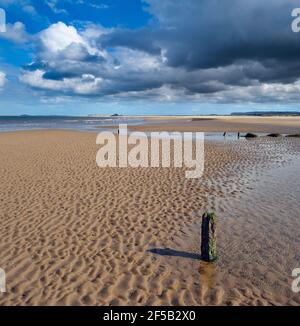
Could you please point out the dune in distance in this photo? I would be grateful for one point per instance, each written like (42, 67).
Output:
(75, 234)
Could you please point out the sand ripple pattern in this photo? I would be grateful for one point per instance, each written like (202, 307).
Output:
(74, 234)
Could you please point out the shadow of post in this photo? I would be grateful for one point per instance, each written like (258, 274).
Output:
(174, 253)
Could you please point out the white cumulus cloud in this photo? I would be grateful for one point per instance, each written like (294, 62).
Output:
(59, 36)
(16, 33)
(83, 85)
(175, 61)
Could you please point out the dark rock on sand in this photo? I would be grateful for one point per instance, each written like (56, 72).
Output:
(274, 135)
(250, 135)
(294, 136)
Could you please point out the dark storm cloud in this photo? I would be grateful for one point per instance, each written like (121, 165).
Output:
(225, 50)
(142, 39)
(209, 33)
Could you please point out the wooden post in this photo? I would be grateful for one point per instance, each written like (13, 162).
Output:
(209, 237)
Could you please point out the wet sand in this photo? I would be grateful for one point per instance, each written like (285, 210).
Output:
(72, 233)
(283, 125)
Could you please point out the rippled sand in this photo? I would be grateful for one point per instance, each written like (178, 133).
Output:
(74, 234)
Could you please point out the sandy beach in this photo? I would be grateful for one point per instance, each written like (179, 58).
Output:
(75, 234)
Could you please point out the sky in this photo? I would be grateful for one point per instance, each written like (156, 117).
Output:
(140, 57)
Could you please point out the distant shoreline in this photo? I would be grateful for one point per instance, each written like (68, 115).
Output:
(254, 124)
(116, 116)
